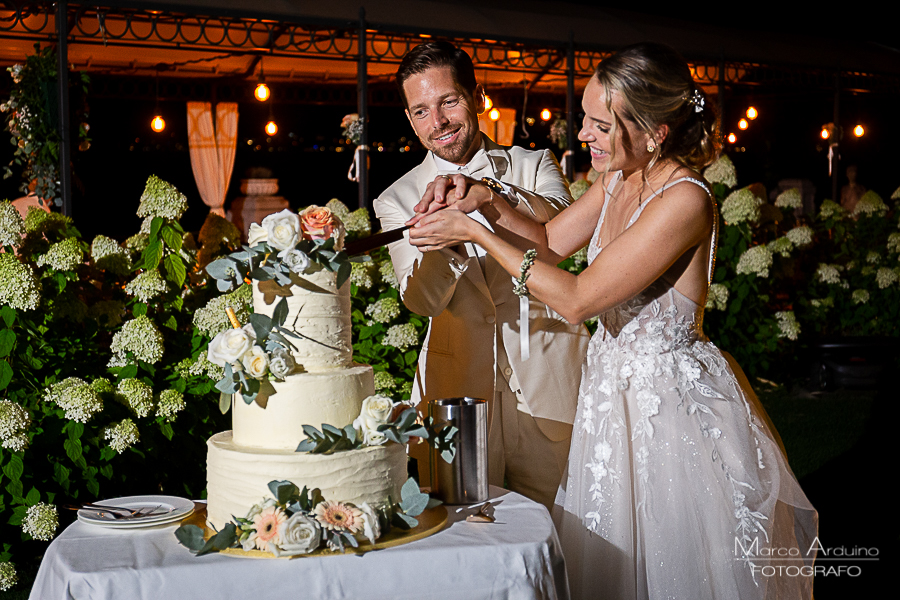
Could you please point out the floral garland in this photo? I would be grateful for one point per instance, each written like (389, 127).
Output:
(32, 121)
(353, 127)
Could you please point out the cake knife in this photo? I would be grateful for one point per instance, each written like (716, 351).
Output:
(375, 241)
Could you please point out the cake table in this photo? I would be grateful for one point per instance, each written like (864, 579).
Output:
(518, 556)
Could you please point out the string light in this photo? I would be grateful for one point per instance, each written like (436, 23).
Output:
(546, 114)
(732, 138)
(752, 113)
(859, 131)
(158, 123)
(825, 133)
(262, 91)
(271, 128)
(494, 114)
(743, 124)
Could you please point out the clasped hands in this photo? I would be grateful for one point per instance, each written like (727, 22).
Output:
(441, 219)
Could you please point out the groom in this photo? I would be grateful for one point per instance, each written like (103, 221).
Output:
(473, 343)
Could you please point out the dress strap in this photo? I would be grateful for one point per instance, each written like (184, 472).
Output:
(595, 239)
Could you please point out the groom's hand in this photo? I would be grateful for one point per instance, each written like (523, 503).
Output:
(461, 192)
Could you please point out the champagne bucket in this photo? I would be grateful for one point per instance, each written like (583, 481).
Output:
(465, 480)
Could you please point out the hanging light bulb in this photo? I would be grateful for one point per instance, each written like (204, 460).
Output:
(271, 128)
(859, 131)
(488, 103)
(546, 114)
(825, 133)
(732, 138)
(494, 114)
(743, 124)
(262, 91)
(158, 123)
(752, 113)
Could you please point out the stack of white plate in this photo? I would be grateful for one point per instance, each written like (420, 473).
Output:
(166, 510)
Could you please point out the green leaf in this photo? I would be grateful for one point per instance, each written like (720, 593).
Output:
(175, 269)
(14, 468)
(139, 309)
(33, 497)
(283, 491)
(8, 315)
(224, 402)
(6, 374)
(191, 537)
(167, 430)
(152, 254)
(7, 341)
(73, 451)
(279, 316)
(171, 323)
(172, 238)
(155, 225)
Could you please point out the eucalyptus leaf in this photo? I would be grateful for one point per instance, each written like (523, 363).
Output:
(307, 445)
(191, 537)
(279, 315)
(225, 402)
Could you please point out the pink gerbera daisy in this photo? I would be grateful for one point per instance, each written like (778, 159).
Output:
(268, 526)
(336, 515)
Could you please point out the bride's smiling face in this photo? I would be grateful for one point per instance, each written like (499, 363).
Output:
(624, 151)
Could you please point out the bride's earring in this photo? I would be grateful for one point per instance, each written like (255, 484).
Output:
(650, 147)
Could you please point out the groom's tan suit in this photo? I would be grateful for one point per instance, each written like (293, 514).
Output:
(473, 346)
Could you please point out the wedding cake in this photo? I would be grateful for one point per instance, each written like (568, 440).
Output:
(324, 386)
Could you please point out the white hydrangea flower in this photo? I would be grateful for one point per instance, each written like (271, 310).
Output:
(62, 256)
(893, 243)
(885, 277)
(721, 171)
(580, 257)
(830, 209)
(41, 521)
(800, 236)
(870, 204)
(212, 318)
(121, 435)
(828, 273)
(386, 270)
(108, 255)
(860, 296)
(358, 221)
(755, 261)
(873, 258)
(76, 397)
(147, 286)
(741, 205)
(338, 208)
(361, 275)
(384, 381)
(782, 246)
(137, 243)
(578, 188)
(896, 194)
(8, 576)
(171, 402)
(401, 336)
(14, 424)
(136, 395)
(18, 285)
(789, 199)
(822, 302)
(384, 310)
(12, 227)
(161, 199)
(717, 298)
(141, 336)
(788, 327)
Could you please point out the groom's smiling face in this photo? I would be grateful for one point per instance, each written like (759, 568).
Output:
(443, 114)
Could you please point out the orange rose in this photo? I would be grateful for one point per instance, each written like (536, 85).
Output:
(317, 222)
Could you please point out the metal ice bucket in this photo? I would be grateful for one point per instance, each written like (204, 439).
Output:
(465, 480)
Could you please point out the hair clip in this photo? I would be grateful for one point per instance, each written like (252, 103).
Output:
(697, 101)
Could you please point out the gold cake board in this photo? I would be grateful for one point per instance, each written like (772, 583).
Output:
(430, 522)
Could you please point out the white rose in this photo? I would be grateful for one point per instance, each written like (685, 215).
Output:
(256, 362)
(256, 235)
(377, 407)
(230, 345)
(371, 525)
(373, 437)
(282, 229)
(301, 534)
(281, 363)
(295, 260)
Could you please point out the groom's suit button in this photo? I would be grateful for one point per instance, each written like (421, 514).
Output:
(490, 319)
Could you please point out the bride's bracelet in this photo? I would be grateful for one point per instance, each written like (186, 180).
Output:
(519, 288)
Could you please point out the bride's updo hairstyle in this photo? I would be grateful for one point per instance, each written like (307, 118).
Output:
(656, 88)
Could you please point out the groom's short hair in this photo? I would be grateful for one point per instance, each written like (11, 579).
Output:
(432, 55)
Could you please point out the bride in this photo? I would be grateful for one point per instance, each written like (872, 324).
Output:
(677, 486)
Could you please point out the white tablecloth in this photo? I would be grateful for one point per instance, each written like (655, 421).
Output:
(517, 557)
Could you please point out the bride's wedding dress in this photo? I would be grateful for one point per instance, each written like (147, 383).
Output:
(677, 486)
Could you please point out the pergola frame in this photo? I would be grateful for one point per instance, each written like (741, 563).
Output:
(269, 35)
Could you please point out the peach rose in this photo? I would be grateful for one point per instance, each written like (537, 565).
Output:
(317, 222)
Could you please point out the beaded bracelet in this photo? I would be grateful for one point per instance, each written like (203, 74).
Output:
(519, 288)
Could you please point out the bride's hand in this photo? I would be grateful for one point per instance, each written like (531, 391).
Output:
(442, 229)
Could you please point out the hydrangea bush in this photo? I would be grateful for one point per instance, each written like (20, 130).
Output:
(784, 280)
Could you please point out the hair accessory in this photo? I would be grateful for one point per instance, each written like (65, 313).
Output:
(519, 288)
(650, 147)
(697, 101)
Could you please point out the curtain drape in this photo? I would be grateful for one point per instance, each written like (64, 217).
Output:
(212, 150)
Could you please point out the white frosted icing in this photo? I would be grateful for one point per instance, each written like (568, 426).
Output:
(333, 397)
(318, 312)
(238, 477)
